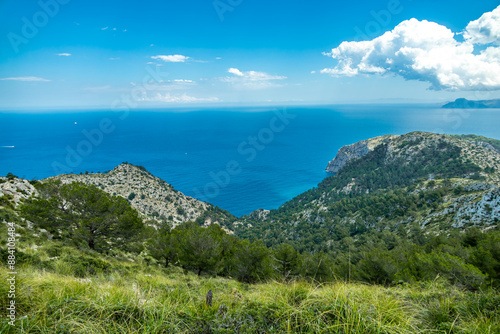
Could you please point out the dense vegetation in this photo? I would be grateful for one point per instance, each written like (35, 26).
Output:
(159, 286)
(87, 218)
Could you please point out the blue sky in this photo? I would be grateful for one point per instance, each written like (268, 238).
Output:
(80, 54)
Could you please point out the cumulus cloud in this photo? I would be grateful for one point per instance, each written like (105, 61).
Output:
(25, 79)
(179, 98)
(484, 30)
(235, 71)
(427, 51)
(252, 79)
(172, 58)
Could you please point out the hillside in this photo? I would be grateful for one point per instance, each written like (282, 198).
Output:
(408, 184)
(151, 196)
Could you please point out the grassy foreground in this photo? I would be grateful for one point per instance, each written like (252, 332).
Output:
(172, 301)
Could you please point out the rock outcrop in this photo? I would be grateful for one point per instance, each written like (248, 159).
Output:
(260, 214)
(480, 209)
(355, 151)
(16, 189)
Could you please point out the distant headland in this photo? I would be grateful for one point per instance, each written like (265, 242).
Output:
(469, 104)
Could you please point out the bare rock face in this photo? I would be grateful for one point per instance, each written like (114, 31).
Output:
(481, 209)
(356, 151)
(17, 189)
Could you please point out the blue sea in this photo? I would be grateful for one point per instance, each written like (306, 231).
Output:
(240, 159)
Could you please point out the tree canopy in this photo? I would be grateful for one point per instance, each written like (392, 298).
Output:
(83, 213)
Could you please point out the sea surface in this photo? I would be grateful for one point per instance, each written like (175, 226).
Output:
(240, 159)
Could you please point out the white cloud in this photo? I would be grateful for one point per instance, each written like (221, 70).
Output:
(64, 54)
(252, 79)
(179, 98)
(425, 51)
(183, 81)
(25, 79)
(484, 30)
(105, 28)
(172, 58)
(235, 71)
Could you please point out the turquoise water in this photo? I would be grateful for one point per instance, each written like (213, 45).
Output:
(238, 159)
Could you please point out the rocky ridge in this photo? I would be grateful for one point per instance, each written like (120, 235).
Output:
(405, 147)
(151, 196)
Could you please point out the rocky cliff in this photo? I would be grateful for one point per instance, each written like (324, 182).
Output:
(355, 151)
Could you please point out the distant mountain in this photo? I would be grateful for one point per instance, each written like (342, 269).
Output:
(468, 104)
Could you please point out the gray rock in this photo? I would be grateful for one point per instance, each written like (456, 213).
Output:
(355, 151)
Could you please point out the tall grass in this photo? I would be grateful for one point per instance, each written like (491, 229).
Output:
(172, 301)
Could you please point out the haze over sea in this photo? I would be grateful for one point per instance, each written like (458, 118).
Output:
(278, 156)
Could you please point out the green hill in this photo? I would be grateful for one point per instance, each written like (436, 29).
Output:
(414, 182)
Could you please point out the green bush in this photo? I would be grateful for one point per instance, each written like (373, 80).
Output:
(85, 266)
(451, 267)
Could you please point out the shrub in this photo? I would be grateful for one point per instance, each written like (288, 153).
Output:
(452, 267)
(84, 265)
